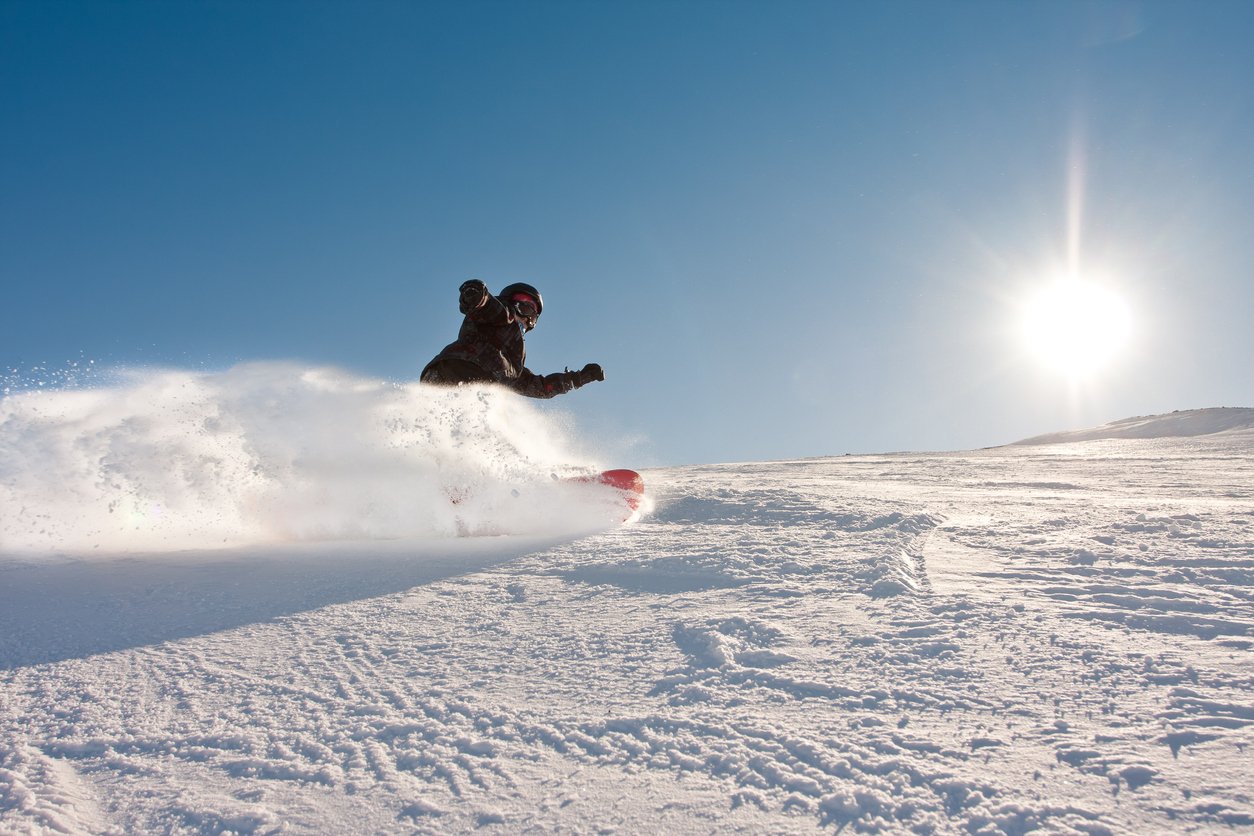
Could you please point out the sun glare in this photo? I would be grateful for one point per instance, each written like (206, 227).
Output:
(1076, 327)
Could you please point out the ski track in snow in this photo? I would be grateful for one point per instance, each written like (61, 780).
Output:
(996, 641)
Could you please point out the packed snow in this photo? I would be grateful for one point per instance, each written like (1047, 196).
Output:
(246, 602)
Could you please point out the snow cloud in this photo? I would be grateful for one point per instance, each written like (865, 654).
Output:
(275, 452)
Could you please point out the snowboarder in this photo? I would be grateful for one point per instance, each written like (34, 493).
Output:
(489, 346)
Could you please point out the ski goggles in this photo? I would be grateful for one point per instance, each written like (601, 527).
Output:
(526, 307)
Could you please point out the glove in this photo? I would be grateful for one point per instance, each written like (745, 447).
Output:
(473, 294)
(587, 374)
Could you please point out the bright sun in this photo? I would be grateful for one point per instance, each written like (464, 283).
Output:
(1076, 327)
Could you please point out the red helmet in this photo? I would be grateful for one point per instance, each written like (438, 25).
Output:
(508, 294)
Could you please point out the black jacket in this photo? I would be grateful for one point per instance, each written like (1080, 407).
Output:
(491, 341)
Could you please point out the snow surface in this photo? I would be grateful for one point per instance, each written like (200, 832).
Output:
(1053, 637)
(1188, 422)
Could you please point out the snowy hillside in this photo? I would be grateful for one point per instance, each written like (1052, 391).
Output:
(993, 641)
(1186, 423)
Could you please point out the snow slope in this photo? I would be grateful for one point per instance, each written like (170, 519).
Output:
(1026, 637)
(1186, 423)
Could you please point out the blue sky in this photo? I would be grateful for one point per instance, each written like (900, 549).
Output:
(785, 229)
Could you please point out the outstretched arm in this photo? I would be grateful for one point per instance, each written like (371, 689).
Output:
(558, 383)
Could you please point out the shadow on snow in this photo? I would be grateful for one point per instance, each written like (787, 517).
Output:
(52, 611)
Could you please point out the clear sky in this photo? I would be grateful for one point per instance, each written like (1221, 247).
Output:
(784, 228)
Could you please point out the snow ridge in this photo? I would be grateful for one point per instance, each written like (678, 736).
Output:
(1186, 423)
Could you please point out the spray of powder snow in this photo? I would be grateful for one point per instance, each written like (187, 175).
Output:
(267, 453)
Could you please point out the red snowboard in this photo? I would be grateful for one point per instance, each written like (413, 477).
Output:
(626, 485)
(628, 482)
